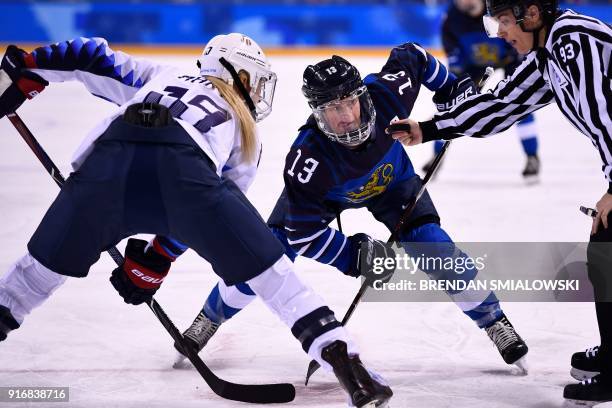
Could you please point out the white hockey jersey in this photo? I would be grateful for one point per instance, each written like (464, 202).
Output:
(125, 80)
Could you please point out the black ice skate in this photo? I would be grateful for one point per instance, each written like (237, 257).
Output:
(593, 390)
(585, 364)
(363, 389)
(510, 345)
(7, 322)
(196, 337)
(531, 172)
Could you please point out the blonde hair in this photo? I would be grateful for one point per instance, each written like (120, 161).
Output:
(247, 123)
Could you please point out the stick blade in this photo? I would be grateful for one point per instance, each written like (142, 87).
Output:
(313, 366)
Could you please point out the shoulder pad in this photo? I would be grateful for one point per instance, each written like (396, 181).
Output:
(311, 123)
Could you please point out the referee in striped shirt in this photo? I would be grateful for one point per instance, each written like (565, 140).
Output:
(568, 62)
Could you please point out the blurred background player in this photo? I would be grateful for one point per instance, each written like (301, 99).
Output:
(343, 159)
(156, 165)
(470, 51)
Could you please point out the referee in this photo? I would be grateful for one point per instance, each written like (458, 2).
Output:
(568, 62)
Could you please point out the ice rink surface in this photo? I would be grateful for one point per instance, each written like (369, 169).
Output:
(116, 355)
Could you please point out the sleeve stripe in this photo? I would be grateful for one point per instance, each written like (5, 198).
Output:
(306, 239)
(304, 249)
(329, 239)
(433, 76)
(420, 49)
(339, 251)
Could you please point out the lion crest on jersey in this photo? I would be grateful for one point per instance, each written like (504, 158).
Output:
(486, 54)
(377, 184)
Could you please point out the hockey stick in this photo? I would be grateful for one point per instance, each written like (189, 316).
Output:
(259, 393)
(313, 366)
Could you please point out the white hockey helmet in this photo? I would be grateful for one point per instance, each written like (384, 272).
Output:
(237, 52)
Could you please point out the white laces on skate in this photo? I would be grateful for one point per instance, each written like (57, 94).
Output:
(592, 352)
(201, 330)
(502, 334)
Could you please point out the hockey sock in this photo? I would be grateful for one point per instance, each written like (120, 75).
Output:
(27, 285)
(224, 302)
(438, 146)
(527, 133)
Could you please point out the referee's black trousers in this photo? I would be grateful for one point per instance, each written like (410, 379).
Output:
(599, 258)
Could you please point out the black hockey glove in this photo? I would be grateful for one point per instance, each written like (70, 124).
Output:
(371, 258)
(141, 274)
(16, 82)
(449, 96)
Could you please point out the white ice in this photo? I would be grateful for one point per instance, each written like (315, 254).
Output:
(114, 355)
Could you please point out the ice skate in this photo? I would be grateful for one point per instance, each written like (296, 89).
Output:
(364, 388)
(196, 337)
(589, 392)
(7, 322)
(585, 364)
(531, 172)
(510, 345)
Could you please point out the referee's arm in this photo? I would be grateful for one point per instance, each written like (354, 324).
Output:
(492, 112)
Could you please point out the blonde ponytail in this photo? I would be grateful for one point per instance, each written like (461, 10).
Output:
(247, 123)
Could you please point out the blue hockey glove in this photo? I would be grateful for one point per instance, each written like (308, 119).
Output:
(141, 274)
(449, 96)
(371, 258)
(16, 82)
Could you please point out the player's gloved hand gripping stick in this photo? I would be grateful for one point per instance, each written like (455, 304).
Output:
(398, 127)
(257, 393)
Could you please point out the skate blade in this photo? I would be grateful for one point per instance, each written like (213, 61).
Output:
(569, 403)
(522, 366)
(180, 362)
(531, 180)
(376, 404)
(581, 375)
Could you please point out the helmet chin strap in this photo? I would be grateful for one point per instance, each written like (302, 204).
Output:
(535, 32)
(240, 86)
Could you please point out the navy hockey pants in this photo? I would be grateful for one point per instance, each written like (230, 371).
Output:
(153, 181)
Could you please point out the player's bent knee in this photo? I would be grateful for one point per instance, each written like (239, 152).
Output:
(283, 292)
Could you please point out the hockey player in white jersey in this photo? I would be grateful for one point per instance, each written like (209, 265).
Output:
(569, 62)
(174, 159)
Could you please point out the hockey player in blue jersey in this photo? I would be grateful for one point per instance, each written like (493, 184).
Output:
(173, 159)
(470, 51)
(343, 159)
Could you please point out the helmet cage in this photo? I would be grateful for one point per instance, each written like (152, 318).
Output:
(262, 81)
(367, 117)
(225, 56)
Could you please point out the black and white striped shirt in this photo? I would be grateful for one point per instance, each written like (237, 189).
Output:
(573, 69)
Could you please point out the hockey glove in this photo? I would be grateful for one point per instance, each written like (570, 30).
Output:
(141, 274)
(371, 258)
(449, 96)
(16, 82)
